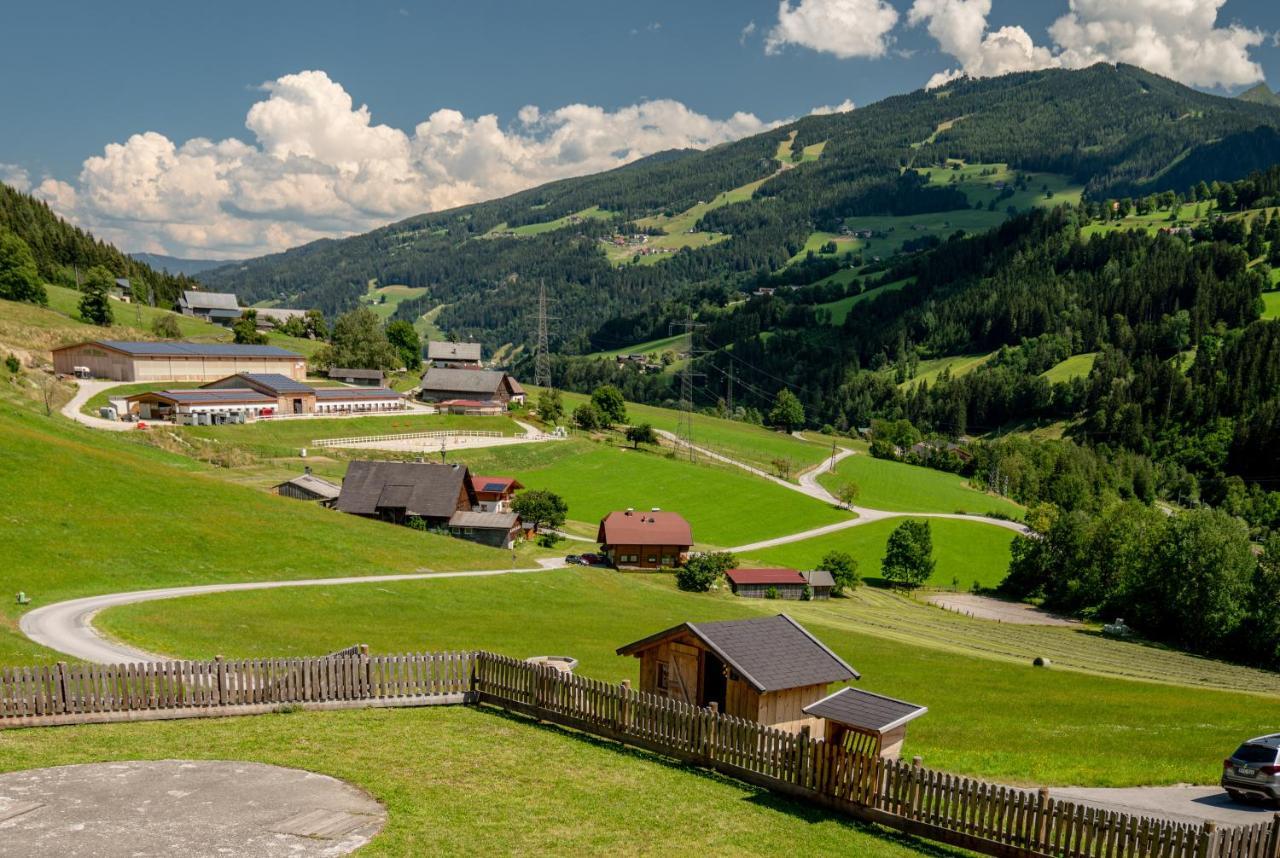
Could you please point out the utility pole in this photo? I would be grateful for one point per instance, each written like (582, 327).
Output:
(729, 398)
(684, 427)
(541, 357)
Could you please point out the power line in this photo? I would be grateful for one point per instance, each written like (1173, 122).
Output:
(684, 426)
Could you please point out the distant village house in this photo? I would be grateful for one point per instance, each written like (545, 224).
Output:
(645, 540)
(454, 355)
(470, 386)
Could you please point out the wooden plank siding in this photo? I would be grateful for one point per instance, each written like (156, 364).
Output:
(983, 817)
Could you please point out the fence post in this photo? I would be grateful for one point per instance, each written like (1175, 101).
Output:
(368, 671)
(475, 672)
(222, 679)
(1273, 839)
(917, 762)
(624, 708)
(1042, 818)
(802, 756)
(60, 689)
(713, 732)
(1206, 848)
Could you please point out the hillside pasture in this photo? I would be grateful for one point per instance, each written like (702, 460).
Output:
(840, 309)
(991, 714)
(93, 512)
(384, 300)
(899, 487)
(1076, 366)
(927, 371)
(529, 229)
(967, 552)
(744, 442)
(725, 506)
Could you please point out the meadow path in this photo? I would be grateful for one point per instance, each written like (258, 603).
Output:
(68, 626)
(86, 390)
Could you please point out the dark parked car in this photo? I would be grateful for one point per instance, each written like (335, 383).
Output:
(574, 560)
(593, 559)
(1253, 771)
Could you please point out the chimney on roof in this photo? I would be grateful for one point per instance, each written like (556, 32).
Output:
(655, 509)
(456, 466)
(419, 460)
(629, 511)
(306, 469)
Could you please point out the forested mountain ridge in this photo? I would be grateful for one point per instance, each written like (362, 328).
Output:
(60, 249)
(1113, 130)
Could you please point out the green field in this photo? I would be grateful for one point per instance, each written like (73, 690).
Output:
(744, 442)
(286, 437)
(457, 780)
(987, 716)
(593, 213)
(726, 506)
(1076, 366)
(845, 245)
(978, 188)
(899, 487)
(927, 371)
(840, 309)
(1271, 305)
(91, 512)
(967, 552)
(678, 343)
(394, 295)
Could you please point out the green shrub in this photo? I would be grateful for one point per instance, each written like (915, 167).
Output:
(700, 572)
(771, 593)
(12, 363)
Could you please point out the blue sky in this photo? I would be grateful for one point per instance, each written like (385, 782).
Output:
(85, 75)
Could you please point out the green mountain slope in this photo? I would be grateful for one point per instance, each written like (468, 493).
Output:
(1106, 130)
(1260, 94)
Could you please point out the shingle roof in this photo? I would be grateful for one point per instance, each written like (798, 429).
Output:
(484, 520)
(315, 485)
(272, 383)
(819, 578)
(453, 351)
(769, 653)
(425, 489)
(865, 710)
(175, 348)
(347, 393)
(344, 372)
(201, 396)
(644, 528)
(210, 300)
(764, 576)
(462, 380)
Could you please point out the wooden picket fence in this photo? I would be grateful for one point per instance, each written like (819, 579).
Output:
(966, 812)
(983, 817)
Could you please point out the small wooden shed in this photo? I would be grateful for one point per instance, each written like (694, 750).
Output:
(766, 669)
(865, 722)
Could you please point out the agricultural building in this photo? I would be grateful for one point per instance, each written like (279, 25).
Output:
(309, 487)
(221, 308)
(766, 669)
(442, 385)
(368, 377)
(499, 529)
(252, 395)
(171, 360)
(864, 722)
(454, 355)
(645, 540)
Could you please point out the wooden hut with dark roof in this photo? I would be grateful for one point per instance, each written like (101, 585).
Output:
(398, 491)
(865, 722)
(766, 669)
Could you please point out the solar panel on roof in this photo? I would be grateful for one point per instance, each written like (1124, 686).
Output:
(493, 487)
(171, 347)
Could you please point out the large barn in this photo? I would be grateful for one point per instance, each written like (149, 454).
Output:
(170, 360)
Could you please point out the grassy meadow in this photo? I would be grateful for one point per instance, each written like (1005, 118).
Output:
(927, 371)
(1076, 366)
(457, 780)
(998, 717)
(92, 512)
(754, 445)
(725, 506)
(966, 552)
(899, 487)
(841, 308)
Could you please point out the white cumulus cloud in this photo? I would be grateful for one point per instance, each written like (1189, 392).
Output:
(824, 109)
(15, 177)
(845, 28)
(1180, 39)
(318, 165)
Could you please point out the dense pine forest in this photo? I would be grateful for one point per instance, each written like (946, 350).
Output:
(59, 249)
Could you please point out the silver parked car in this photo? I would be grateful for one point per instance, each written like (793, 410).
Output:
(1253, 771)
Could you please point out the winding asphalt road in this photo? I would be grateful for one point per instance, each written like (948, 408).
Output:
(68, 626)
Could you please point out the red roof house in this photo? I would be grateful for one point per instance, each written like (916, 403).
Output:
(655, 539)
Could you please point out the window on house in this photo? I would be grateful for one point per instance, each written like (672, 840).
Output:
(651, 559)
(666, 560)
(662, 676)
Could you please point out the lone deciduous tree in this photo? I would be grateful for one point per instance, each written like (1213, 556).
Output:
(95, 305)
(538, 507)
(908, 558)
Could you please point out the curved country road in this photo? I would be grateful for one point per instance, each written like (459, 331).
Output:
(68, 626)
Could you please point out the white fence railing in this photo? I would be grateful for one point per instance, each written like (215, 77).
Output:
(409, 436)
